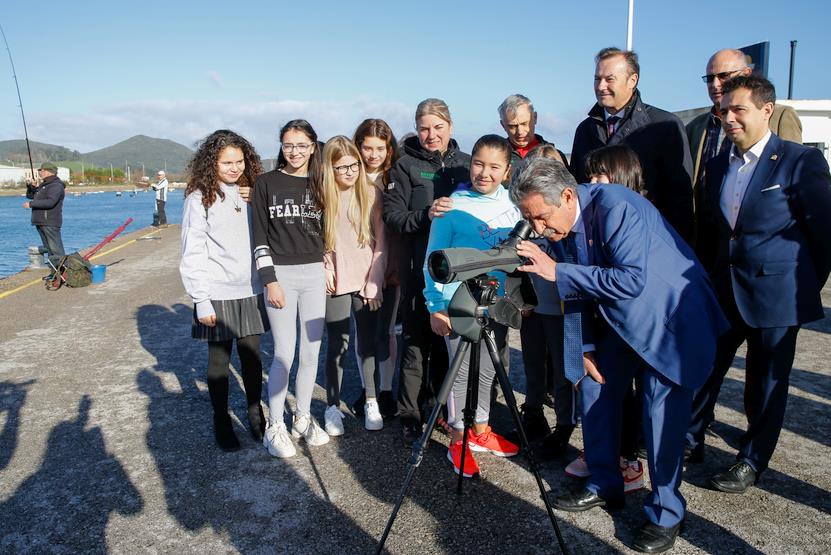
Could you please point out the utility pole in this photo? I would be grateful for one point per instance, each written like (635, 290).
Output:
(629, 25)
(111, 172)
(790, 76)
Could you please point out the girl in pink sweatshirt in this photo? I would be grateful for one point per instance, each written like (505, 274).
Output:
(355, 263)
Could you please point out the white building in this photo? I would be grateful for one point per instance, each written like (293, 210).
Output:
(814, 114)
(12, 176)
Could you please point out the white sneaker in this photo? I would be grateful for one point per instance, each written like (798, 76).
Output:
(373, 420)
(334, 421)
(307, 427)
(578, 467)
(278, 442)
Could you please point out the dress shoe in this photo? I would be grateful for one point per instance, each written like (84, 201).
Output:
(694, 455)
(256, 420)
(534, 423)
(410, 432)
(555, 444)
(584, 500)
(736, 480)
(651, 538)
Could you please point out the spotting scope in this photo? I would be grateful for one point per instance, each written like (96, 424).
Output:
(462, 263)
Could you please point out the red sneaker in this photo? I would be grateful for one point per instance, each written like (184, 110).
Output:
(454, 455)
(492, 442)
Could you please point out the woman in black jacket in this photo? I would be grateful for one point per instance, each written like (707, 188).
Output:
(429, 170)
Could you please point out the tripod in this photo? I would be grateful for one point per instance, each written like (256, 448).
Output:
(486, 289)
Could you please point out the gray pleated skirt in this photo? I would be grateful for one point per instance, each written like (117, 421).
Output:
(235, 318)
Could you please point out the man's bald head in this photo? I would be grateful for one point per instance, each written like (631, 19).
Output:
(723, 65)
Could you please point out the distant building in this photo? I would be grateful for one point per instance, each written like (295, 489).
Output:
(11, 176)
(814, 114)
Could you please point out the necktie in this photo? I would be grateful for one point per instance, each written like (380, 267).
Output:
(572, 326)
(611, 125)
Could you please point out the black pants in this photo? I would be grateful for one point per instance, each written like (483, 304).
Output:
(160, 209)
(770, 354)
(52, 242)
(339, 311)
(219, 357)
(424, 361)
(542, 347)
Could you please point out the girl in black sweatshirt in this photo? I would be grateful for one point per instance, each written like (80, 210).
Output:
(288, 251)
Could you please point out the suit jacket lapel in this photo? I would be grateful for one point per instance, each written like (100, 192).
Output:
(767, 163)
(713, 184)
(587, 214)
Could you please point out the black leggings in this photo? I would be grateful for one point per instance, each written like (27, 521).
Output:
(219, 357)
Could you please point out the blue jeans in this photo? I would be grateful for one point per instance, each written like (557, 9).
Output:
(52, 242)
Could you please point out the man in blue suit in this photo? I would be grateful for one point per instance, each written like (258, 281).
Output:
(764, 234)
(648, 309)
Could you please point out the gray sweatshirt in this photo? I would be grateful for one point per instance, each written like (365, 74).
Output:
(217, 263)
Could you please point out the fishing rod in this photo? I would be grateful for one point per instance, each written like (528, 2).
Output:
(20, 101)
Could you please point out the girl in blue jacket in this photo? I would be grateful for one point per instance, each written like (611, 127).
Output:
(481, 218)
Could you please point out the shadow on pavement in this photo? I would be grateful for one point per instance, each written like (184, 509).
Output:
(256, 502)
(12, 399)
(66, 504)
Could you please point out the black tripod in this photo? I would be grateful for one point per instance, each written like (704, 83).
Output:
(485, 289)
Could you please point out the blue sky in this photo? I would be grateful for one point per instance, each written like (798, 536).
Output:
(95, 73)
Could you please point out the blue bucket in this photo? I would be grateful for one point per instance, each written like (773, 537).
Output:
(99, 273)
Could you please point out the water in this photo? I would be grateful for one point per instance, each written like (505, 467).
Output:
(87, 219)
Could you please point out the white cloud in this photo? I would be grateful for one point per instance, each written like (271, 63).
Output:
(216, 79)
(188, 121)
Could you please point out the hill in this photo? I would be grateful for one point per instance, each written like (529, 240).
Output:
(15, 151)
(155, 154)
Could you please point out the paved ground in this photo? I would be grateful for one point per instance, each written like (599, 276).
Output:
(106, 445)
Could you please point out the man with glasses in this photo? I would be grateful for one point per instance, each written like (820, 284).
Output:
(705, 133)
(46, 203)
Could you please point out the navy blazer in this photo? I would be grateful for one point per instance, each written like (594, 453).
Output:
(647, 284)
(777, 259)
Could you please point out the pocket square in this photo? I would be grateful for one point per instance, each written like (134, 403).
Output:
(771, 188)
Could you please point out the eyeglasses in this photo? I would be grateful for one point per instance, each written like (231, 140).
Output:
(302, 148)
(351, 168)
(723, 76)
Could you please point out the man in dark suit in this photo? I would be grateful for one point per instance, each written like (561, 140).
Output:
(648, 309)
(658, 137)
(704, 132)
(764, 234)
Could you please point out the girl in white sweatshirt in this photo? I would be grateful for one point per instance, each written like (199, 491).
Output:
(218, 273)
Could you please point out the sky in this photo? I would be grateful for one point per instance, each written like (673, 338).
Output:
(93, 73)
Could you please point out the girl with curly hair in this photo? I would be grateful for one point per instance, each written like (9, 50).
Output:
(288, 208)
(218, 273)
(378, 148)
(355, 262)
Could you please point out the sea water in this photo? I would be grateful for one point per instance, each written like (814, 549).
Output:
(87, 219)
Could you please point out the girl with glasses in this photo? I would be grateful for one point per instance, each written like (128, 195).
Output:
(218, 273)
(288, 238)
(355, 263)
(376, 142)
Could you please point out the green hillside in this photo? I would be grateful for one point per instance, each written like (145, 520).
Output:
(15, 151)
(155, 154)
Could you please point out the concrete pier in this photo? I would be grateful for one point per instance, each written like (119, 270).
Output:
(106, 445)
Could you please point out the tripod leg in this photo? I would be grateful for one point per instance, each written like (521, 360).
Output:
(510, 400)
(469, 412)
(421, 444)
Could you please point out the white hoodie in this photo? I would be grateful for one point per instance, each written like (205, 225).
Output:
(217, 261)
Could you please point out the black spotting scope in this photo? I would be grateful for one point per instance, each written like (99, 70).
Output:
(463, 263)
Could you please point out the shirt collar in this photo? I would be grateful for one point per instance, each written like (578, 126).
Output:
(578, 219)
(755, 151)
